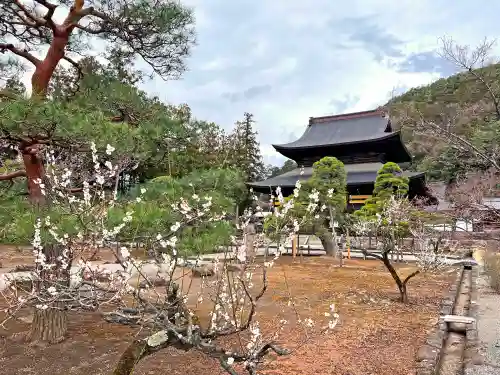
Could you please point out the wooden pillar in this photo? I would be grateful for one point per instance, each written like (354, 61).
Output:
(294, 246)
(348, 242)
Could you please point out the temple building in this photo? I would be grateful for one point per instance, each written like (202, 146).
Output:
(363, 141)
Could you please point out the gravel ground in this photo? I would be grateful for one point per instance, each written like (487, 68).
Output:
(488, 329)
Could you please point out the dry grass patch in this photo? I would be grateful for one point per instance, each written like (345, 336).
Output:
(376, 334)
(492, 268)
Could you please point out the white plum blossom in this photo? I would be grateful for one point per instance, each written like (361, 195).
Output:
(124, 252)
(330, 193)
(241, 253)
(175, 227)
(109, 149)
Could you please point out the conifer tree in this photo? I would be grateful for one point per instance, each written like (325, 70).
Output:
(247, 154)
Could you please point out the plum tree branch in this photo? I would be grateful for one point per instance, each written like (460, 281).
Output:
(373, 255)
(79, 73)
(458, 139)
(411, 275)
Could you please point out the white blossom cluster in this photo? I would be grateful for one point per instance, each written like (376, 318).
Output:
(233, 295)
(387, 224)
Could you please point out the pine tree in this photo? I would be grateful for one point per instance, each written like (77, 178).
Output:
(390, 182)
(247, 154)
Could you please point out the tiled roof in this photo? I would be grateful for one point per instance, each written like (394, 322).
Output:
(356, 174)
(342, 129)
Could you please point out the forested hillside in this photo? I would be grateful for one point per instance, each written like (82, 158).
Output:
(442, 121)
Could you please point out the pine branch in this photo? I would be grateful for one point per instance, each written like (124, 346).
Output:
(20, 52)
(32, 19)
(12, 175)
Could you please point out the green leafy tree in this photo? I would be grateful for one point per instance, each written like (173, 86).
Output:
(177, 143)
(288, 166)
(224, 186)
(330, 179)
(390, 183)
(389, 223)
(327, 189)
(387, 214)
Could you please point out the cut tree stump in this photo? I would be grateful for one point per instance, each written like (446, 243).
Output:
(202, 271)
(49, 325)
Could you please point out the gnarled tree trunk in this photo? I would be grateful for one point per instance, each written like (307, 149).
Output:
(33, 166)
(142, 348)
(403, 292)
(40, 80)
(45, 69)
(130, 357)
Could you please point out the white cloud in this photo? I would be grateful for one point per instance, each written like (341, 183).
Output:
(320, 57)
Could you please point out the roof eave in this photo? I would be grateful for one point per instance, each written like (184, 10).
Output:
(415, 176)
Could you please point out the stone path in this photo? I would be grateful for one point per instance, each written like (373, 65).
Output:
(488, 327)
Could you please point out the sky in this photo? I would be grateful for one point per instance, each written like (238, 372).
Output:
(287, 60)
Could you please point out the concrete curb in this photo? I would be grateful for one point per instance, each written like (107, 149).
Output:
(429, 354)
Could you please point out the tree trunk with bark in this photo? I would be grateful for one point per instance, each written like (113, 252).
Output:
(130, 357)
(328, 243)
(141, 348)
(33, 166)
(337, 250)
(401, 284)
(40, 81)
(50, 324)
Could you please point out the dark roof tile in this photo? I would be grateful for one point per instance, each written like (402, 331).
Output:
(356, 174)
(342, 129)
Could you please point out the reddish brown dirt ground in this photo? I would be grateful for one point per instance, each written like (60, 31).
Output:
(376, 335)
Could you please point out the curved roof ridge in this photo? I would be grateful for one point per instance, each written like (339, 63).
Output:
(342, 129)
(345, 116)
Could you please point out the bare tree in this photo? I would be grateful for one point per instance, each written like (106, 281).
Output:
(472, 60)
(390, 225)
(446, 118)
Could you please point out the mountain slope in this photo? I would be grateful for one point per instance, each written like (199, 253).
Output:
(461, 103)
